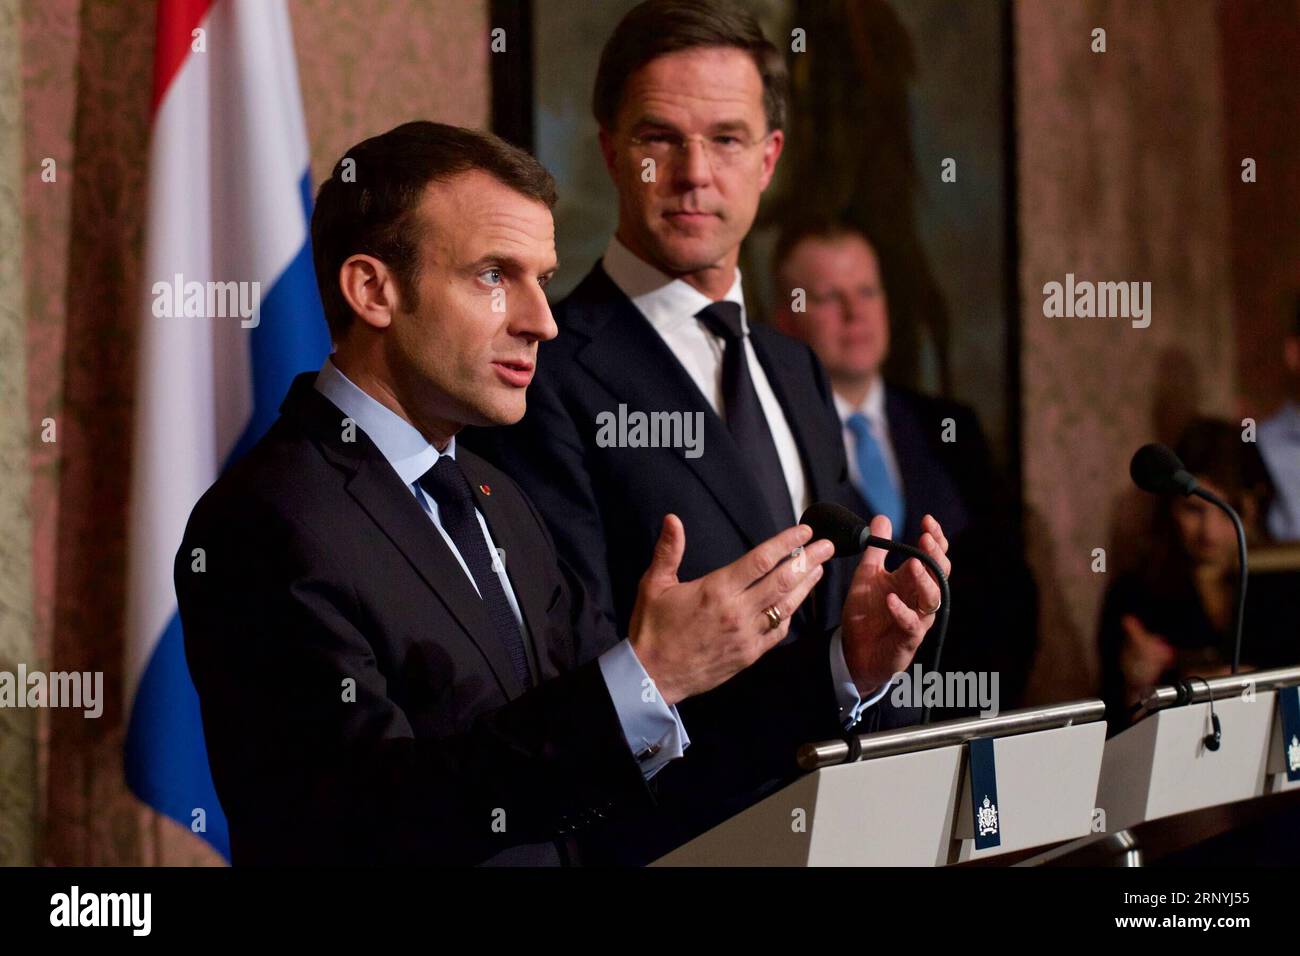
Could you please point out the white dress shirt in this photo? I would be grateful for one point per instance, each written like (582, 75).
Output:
(670, 305)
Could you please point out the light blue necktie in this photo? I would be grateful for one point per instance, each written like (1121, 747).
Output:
(877, 484)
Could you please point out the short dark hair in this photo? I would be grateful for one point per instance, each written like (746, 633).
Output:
(656, 28)
(371, 204)
(797, 231)
(1214, 449)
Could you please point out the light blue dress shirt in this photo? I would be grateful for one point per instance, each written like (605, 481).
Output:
(1279, 445)
(654, 731)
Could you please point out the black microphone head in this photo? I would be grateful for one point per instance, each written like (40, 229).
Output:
(1155, 468)
(838, 525)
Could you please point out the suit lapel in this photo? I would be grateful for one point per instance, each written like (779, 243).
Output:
(392, 506)
(634, 363)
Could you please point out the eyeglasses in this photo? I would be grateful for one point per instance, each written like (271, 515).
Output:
(723, 149)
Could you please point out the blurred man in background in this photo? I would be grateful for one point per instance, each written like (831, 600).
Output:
(829, 293)
(908, 454)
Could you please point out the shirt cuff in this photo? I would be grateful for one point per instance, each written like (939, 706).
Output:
(852, 704)
(654, 731)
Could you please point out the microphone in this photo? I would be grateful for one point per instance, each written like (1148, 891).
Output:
(851, 535)
(1155, 468)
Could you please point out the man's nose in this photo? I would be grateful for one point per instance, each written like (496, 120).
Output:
(851, 310)
(532, 316)
(694, 167)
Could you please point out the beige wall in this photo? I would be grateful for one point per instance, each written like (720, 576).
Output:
(1121, 178)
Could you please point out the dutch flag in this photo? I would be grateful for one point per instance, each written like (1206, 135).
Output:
(229, 202)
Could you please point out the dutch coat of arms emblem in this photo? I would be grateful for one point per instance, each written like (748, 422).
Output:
(988, 817)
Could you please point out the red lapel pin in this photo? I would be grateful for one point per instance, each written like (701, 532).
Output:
(485, 488)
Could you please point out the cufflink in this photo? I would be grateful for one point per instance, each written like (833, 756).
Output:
(485, 488)
(649, 752)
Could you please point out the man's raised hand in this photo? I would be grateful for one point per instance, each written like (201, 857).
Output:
(887, 614)
(692, 636)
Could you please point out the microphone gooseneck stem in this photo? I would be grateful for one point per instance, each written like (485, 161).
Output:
(945, 598)
(1227, 509)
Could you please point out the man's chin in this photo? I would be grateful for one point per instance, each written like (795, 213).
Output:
(859, 371)
(848, 371)
(684, 256)
(505, 412)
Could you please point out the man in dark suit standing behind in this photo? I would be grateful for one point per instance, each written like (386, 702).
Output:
(689, 97)
(909, 454)
(392, 663)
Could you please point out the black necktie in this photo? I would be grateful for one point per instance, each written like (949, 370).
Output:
(744, 412)
(446, 484)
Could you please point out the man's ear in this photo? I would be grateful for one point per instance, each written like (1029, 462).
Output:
(370, 290)
(771, 153)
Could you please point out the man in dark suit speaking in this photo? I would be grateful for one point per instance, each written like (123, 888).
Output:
(391, 662)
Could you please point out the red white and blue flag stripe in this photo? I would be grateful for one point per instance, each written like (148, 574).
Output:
(229, 201)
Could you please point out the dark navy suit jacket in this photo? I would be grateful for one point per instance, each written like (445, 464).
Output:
(358, 707)
(605, 506)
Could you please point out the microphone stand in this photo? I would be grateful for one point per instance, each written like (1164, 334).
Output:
(1227, 509)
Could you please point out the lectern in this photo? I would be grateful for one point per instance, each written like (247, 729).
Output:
(1162, 764)
(913, 798)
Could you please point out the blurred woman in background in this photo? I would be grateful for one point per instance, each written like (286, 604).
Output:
(1174, 618)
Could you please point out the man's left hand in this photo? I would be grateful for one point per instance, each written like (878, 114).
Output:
(887, 614)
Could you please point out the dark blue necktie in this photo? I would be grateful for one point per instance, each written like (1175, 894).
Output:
(447, 485)
(744, 412)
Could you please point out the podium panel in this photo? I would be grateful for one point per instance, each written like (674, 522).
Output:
(914, 808)
(891, 811)
(1048, 787)
(1161, 766)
